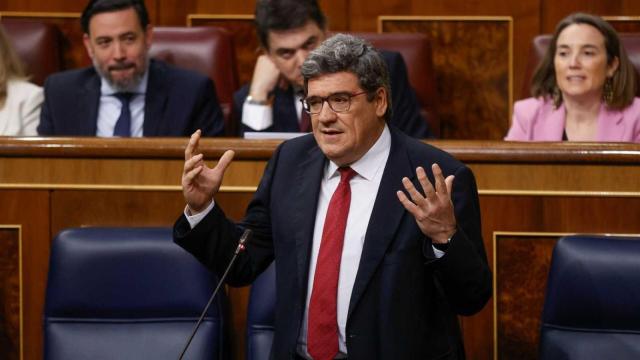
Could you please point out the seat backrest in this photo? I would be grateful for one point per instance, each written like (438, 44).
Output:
(38, 45)
(127, 293)
(261, 315)
(415, 49)
(206, 49)
(592, 305)
(540, 44)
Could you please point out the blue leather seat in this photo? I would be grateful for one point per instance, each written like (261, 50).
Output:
(592, 305)
(128, 293)
(261, 315)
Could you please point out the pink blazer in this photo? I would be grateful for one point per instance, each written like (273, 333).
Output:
(535, 119)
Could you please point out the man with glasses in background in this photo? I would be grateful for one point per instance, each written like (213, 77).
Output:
(375, 235)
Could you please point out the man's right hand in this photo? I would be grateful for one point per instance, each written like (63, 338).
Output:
(200, 183)
(265, 78)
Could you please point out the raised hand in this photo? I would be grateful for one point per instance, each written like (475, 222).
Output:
(434, 211)
(265, 78)
(199, 182)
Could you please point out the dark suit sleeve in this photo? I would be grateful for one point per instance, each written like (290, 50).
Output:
(214, 240)
(207, 113)
(46, 125)
(406, 109)
(238, 102)
(463, 272)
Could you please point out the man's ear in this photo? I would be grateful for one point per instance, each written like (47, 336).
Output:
(381, 101)
(86, 40)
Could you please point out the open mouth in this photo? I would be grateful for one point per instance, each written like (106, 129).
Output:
(121, 67)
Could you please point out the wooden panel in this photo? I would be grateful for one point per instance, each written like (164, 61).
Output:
(523, 267)
(457, 56)
(630, 24)
(10, 293)
(555, 10)
(50, 184)
(29, 210)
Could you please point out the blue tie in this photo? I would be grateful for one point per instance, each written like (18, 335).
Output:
(123, 125)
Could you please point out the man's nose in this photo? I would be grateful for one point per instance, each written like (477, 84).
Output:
(326, 114)
(119, 51)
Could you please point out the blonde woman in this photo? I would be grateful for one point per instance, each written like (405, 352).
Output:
(20, 100)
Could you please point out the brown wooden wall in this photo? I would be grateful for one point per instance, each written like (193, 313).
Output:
(530, 194)
(480, 47)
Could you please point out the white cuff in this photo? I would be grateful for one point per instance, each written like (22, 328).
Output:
(195, 219)
(257, 117)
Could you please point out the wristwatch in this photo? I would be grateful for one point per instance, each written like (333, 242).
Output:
(252, 101)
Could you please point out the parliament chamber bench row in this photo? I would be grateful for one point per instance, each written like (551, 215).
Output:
(211, 51)
(531, 194)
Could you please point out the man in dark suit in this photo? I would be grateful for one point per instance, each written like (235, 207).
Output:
(363, 269)
(125, 93)
(288, 30)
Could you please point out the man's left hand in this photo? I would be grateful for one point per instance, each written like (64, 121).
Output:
(433, 211)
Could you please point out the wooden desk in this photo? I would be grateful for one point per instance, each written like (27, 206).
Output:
(530, 194)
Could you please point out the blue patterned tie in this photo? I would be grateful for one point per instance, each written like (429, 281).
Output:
(123, 125)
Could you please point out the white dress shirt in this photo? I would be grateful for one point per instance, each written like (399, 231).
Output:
(111, 107)
(259, 117)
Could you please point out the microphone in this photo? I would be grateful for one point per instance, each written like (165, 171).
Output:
(241, 247)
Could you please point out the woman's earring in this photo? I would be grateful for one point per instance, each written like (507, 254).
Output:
(557, 96)
(607, 93)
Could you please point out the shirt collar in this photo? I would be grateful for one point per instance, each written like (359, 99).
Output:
(372, 161)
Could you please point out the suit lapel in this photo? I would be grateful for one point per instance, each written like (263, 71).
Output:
(307, 185)
(155, 99)
(385, 218)
(87, 107)
(610, 125)
(552, 127)
(284, 111)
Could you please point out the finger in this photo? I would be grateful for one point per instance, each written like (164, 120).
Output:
(224, 162)
(408, 205)
(425, 183)
(189, 176)
(414, 194)
(193, 162)
(192, 146)
(449, 182)
(441, 188)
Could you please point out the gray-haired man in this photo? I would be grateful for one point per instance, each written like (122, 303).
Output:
(364, 270)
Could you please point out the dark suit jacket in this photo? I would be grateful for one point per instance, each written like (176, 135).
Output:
(404, 300)
(177, 103)
(406, 111)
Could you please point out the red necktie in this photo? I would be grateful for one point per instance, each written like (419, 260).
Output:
(322, 326)
(305, 122)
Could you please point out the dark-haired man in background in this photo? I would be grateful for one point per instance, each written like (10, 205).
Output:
(125, 93)
(288, 30)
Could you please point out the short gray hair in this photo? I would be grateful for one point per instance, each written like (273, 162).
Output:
(351, 54)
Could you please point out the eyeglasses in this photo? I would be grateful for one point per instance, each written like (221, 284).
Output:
(340, 102)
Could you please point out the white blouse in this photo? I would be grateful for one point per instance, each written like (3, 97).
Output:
(20, 114)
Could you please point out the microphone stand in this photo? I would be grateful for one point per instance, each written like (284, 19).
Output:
(241, 247)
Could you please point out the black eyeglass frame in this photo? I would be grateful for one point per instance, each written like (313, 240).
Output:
(306, 107)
